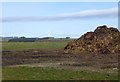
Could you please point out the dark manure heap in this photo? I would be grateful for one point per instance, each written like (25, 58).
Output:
(104, 40)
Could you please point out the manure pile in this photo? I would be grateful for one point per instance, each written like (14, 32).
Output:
(103, 40)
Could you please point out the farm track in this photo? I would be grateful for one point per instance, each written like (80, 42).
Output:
(57, 58)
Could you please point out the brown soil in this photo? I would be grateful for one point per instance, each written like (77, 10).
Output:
(57, 57)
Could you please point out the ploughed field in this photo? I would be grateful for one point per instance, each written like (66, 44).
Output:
(50, 55)
(56, 57)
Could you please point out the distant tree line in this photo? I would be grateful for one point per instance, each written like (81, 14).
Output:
(24, 39)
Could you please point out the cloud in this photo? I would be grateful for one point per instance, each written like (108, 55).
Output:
(83, 15)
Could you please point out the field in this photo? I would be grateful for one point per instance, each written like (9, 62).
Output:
(47, 61)
(38, 73)
(32, 45)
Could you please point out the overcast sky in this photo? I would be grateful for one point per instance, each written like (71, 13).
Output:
(38, 19)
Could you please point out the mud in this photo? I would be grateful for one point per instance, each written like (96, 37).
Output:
(57, 57)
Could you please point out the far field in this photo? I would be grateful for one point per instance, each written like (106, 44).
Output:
(33, 45)
(47, 61)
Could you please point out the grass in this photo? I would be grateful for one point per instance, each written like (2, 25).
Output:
(32, 45)
(38, 73)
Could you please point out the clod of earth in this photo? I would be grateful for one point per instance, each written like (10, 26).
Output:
(103, 40)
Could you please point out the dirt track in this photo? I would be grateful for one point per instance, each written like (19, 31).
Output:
(52, 58)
